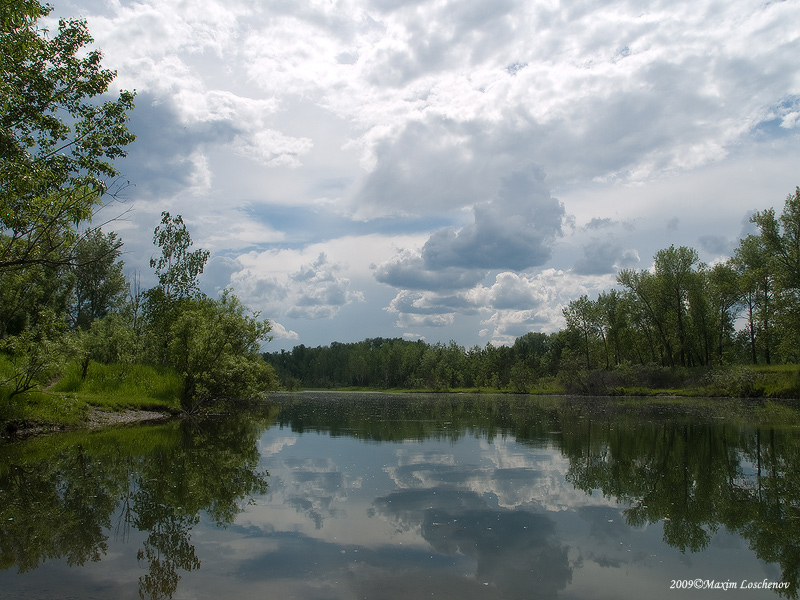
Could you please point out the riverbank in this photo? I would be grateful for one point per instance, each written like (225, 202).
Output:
(96, 418)
(123, 394)
(109, 395)
(727, 381)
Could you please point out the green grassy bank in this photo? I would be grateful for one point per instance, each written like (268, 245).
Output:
(69, 400)
(734, 381)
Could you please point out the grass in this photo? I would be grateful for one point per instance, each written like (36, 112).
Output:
(117, 387)
(68, 402)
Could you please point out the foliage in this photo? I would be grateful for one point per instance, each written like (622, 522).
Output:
(35, 354)
(214, 345)
(781, 239)
(57, 501)
(57, 141)
(63, 308)
(177, 269)
(100, 285)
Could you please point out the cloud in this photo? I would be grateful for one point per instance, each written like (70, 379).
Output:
(602, 257)
(716, 244)
(279, 331)
(513, 305)
(314, 291)
(517, 551)
(599, 223)
(407, 270)
(515, 231)
(288, 129)
(168, 154)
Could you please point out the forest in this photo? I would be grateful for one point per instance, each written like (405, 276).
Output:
(681, 323)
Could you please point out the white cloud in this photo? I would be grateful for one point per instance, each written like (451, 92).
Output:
(402, 129)
(511, 306)
(314, 291)
(279, 331)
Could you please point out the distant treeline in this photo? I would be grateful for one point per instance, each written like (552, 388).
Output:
(658, 329)
(397, 363)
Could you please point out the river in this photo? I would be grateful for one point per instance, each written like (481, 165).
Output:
(333, 495)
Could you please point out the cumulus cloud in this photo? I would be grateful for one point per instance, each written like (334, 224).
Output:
(513, 305)
(408, 270)
(425, 110)
(280, 332)
(168, 155)
(516, 230)
(314, 291)
(601, 257)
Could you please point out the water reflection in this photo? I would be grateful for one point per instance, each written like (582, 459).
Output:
(515, 551)
(409, 496)
(693, 469)
(58, 494)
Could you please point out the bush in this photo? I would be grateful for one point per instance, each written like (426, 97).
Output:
(735, 381)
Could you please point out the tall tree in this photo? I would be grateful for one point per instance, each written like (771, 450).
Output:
(648, 312)
(781, 238)
(177, 268)
(100, 285)
(582, 319)
(674, 269)
(724, 290)
(755, 267)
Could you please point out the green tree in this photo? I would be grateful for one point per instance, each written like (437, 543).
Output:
(781, 238)
(57, 141)
(100, 286)
(724, 291)
(756, 275)
(582, 318)
(674, 271)
(177, 268)
(650, 320)
(215, 346)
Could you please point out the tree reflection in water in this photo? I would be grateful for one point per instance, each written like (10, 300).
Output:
(696, 468)
(58, 494)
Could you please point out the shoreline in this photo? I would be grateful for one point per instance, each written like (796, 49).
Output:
(96, 419)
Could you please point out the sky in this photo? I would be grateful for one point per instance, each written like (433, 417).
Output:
(445, 169)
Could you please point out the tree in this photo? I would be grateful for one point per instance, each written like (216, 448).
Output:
(644, 291)
(215, 345)
(781, 239)
(726, 296)
(177, 268)
(581, 316)
(755, 269)
(674, 270)
(100, 285)
(57, 141)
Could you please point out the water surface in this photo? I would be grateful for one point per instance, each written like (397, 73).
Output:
(346, 496)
